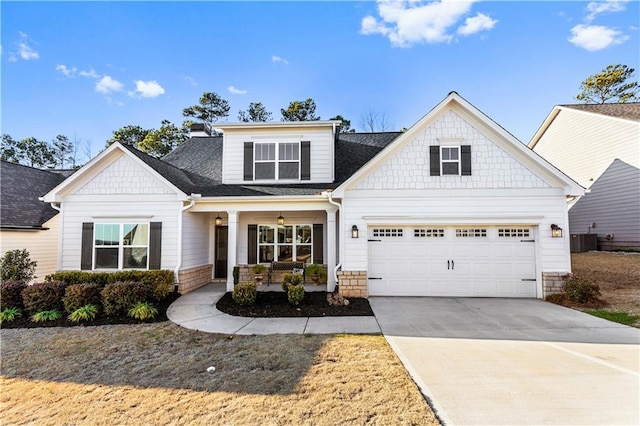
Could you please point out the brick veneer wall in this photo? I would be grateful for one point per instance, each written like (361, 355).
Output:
(276, 276)
(194, 278)
(553, 282)
(353, 283)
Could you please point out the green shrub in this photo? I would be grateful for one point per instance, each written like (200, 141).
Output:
(236, 275)
(295, 294)
(84, 313)
(557, 298)
(11, 294)
(80, 277)
(79, 295)
(9, 314)
(258, 268)
(581, 290)
(119, 297)
(15, 265)
(161, 281)
(291, 279)
(142, 311)
(245, 293)
(314, 268)
(45, 296)
(44, 316)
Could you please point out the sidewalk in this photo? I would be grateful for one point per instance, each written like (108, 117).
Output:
(197, 311)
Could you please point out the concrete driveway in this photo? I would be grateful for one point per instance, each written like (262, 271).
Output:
(515, 361)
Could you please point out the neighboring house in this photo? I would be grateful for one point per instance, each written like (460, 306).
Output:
(454, 206)
(26, 222)
(599, 147)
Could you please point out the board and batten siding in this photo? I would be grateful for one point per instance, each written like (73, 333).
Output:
(196, 229)
(121, 192)
(41, 245)
(321, 148)
(613, 204)
(583, 145)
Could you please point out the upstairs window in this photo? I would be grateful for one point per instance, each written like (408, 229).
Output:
(450, 160)
(277, 161)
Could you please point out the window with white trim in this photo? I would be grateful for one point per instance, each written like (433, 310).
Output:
(450, 160)
(279, 161)
(121, 246)
(285, 243)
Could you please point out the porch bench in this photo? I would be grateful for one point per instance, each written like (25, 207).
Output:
(278, 269)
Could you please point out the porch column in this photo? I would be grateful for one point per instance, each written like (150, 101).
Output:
(232, 242)
(331, 248)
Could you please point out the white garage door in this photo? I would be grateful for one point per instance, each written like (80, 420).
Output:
(464, 261)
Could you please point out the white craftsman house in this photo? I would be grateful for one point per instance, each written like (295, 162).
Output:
(454, 206)
(599, 147)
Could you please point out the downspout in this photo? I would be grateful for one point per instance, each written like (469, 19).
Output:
(60, 233)
(192, 200)
(340, 234)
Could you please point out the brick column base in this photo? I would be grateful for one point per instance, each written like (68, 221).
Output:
(194, 278)
(553, 282)
(353, 283)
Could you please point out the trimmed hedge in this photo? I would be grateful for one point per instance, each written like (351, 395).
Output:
(79, 277)
(45, 296)
(581, 290)
(119, 297)
(245, 293)
(11, 294)
(78, 295)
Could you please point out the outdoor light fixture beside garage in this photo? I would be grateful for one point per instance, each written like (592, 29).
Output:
(354, 231)
(556, 231)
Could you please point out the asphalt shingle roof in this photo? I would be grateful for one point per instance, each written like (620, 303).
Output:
(21, 187)
(627, 111)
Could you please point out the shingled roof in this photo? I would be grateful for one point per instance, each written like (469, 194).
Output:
(628, 111)
(21, 187)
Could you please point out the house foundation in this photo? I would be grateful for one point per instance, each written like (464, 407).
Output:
(194, 278)
(353, 283)
(553, 282)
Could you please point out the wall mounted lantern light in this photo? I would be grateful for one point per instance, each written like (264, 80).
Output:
(280, 220)
(354, 232)
(556, 231)
(218, 220)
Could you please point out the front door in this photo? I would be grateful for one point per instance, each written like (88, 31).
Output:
(222, 233)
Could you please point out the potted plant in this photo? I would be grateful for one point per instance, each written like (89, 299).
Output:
(258, 271)
(315, 271)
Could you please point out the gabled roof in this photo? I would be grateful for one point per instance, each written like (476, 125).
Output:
(454, 100)
(21, 187)
(627, 111)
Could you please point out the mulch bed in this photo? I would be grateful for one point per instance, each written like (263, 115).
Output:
(101, 319)
(273, 304)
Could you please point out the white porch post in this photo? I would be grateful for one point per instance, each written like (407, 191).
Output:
(331, 248)
(232, 242)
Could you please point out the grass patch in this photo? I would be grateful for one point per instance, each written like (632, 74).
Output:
(619, 317)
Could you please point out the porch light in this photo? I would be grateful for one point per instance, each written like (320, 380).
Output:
(218, 220)
(354, 232)
(280, 220)
(556, 231)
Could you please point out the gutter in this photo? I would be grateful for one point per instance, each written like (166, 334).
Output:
(328, 194)
(192, 201)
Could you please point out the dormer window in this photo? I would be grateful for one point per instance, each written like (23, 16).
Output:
(277, 161)
(450, 160)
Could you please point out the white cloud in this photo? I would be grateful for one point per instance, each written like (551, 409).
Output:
(89, 74)
(12, 57)
(190, 80)
(235, 91)
(595, 37)
(597, 7)
(149, 89)
(480, 22)
(26, 52)
(107, 85)
(406, 22)
(275, 59)
(69, 72)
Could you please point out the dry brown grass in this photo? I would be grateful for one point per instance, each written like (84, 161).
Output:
(156, 374)
(618, 276)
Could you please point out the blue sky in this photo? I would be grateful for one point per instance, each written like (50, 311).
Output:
(85, 69)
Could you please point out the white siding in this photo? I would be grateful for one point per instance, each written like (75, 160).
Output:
(492, 167)
(613, 204)
(41, 245)
(583, 145)
(322, 150)
(195, 239)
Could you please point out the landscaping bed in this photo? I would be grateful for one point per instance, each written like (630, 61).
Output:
(273, 304)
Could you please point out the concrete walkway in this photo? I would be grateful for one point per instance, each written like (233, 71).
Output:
(197, 311)
(515, 361)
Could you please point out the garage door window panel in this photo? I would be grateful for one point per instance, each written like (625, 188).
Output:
(471, 232)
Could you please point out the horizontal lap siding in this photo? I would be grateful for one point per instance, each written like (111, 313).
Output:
(195, 239)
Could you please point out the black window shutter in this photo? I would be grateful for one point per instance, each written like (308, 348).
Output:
(252, 244)
(465, 154)
(86, 251)
(248, 161)
(434, 160)
(305, 160)
(155, 245)
(318, 244)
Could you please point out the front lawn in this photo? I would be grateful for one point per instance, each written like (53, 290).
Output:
(157, 374)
